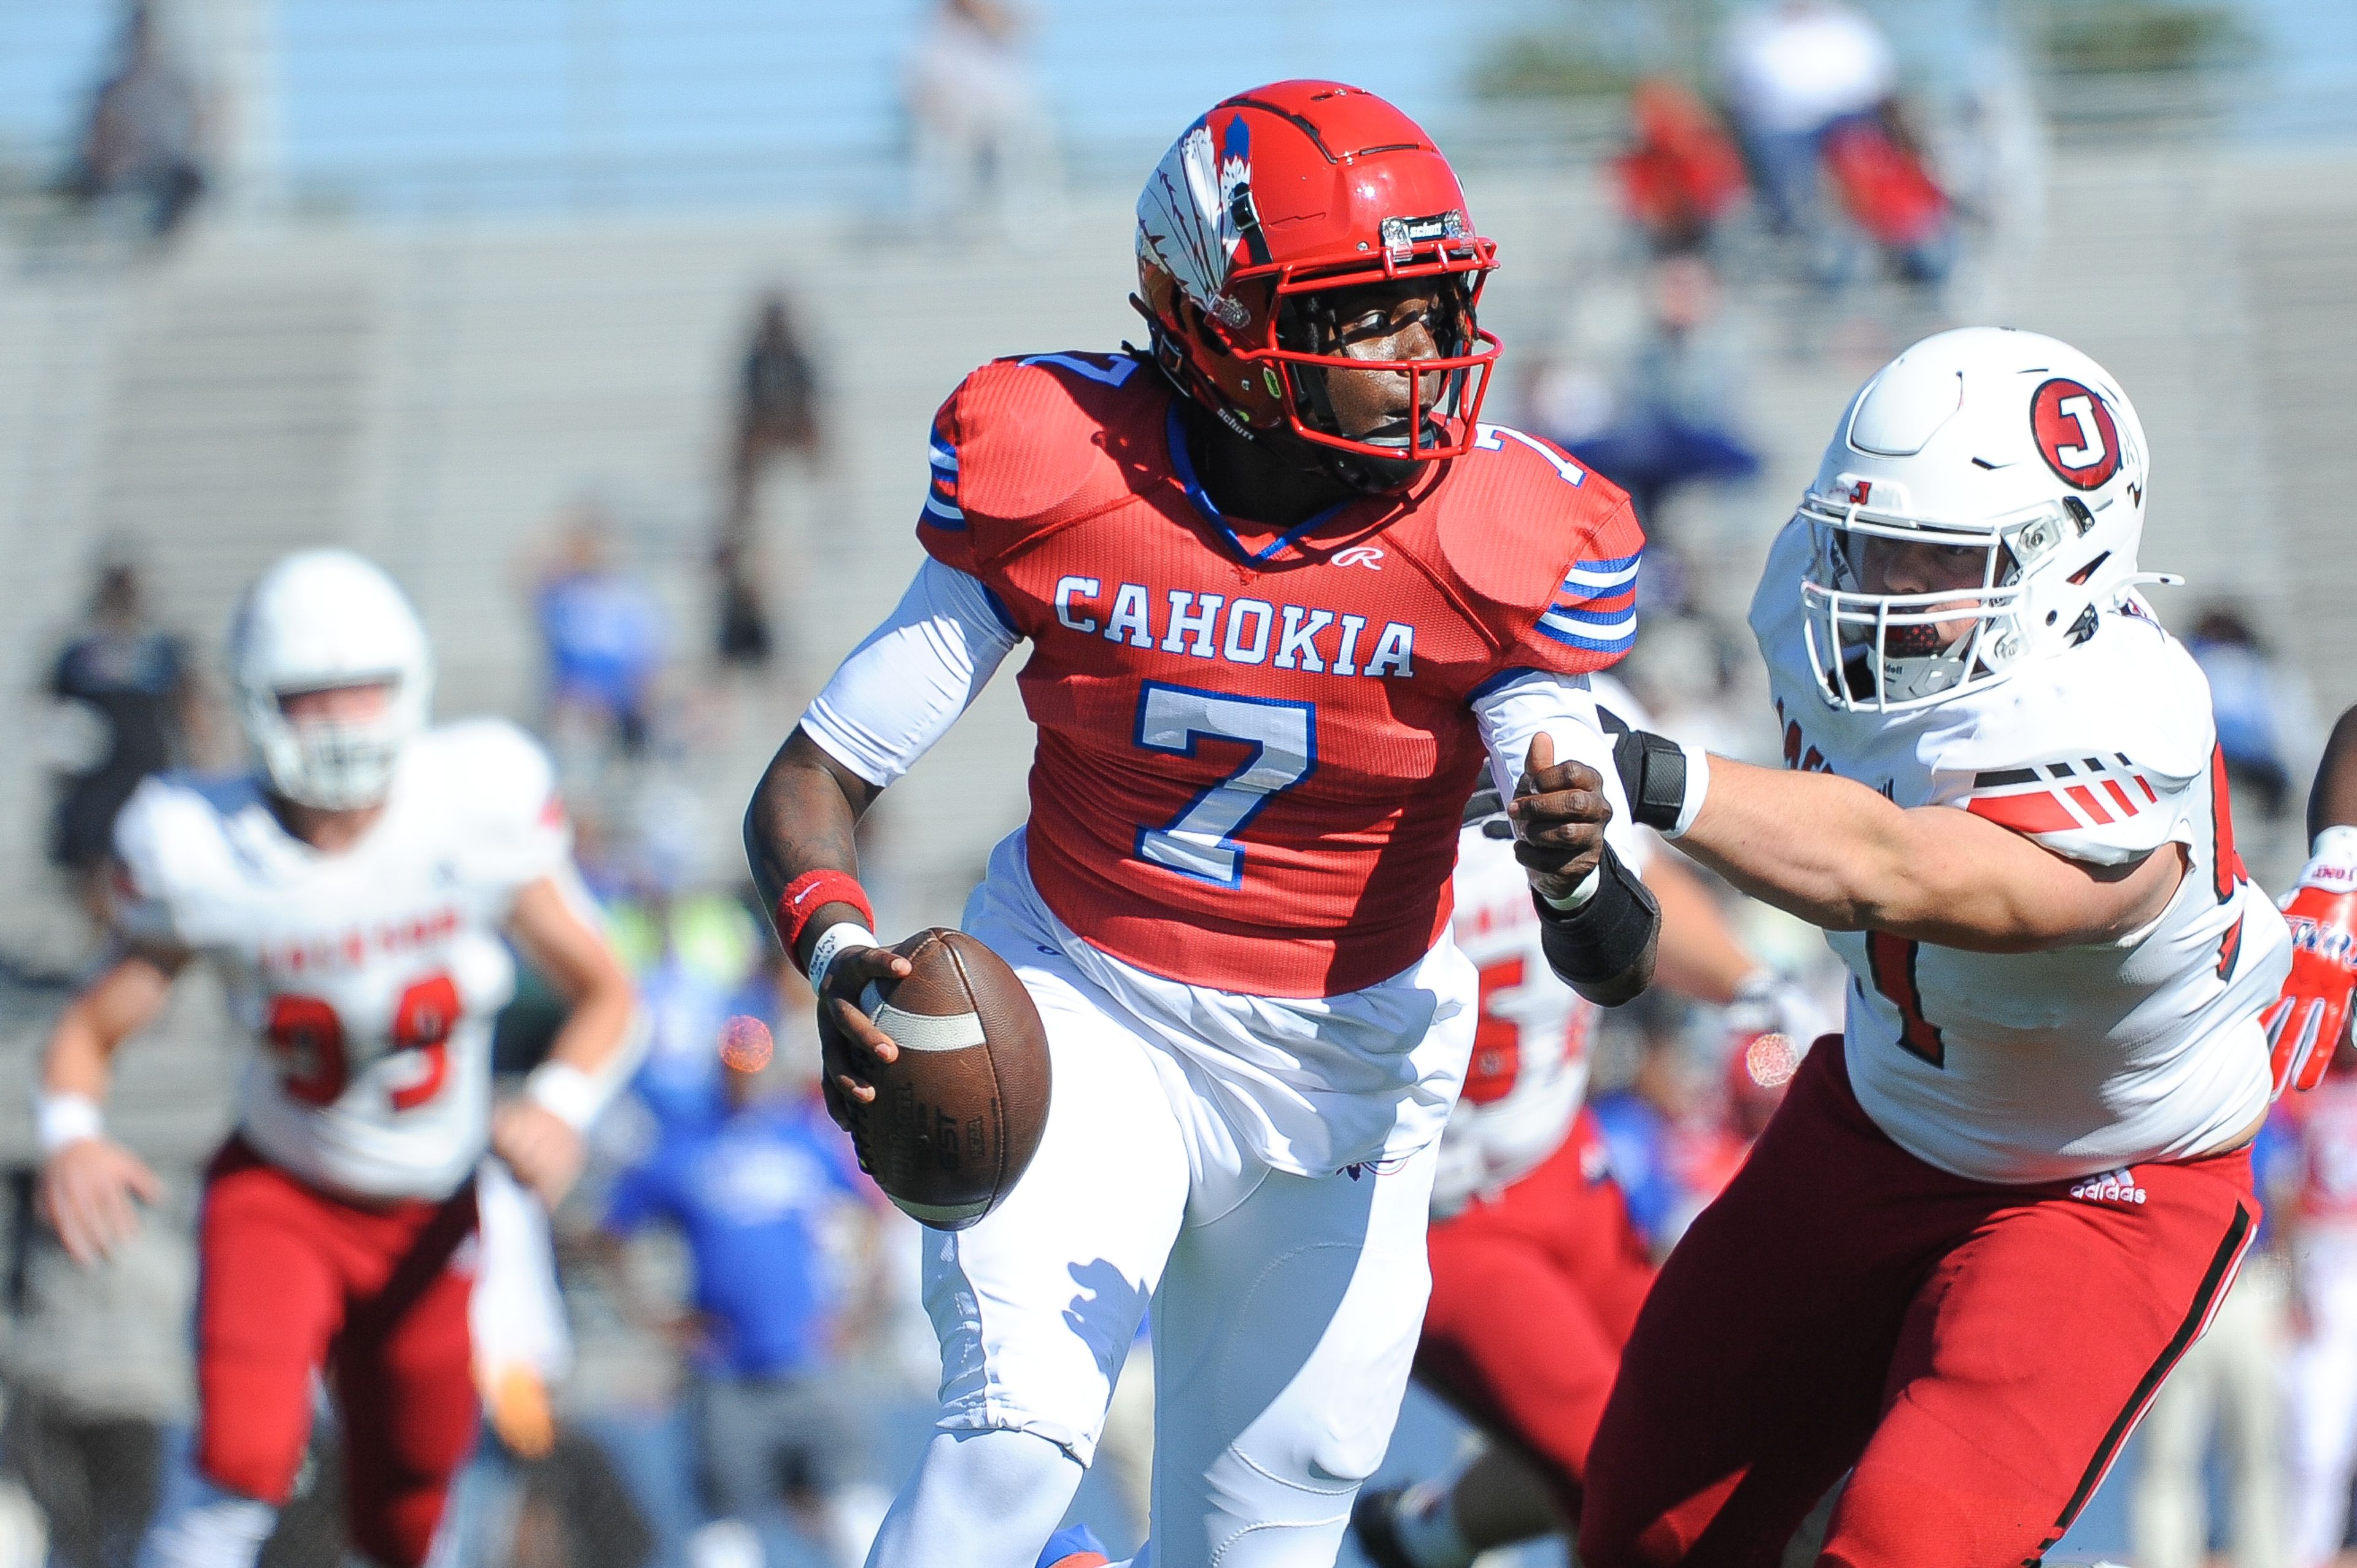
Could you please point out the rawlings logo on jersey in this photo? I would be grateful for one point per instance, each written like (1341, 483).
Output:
(2075, 434)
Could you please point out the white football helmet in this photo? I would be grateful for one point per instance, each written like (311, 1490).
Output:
(318, 620)
(1984, 437)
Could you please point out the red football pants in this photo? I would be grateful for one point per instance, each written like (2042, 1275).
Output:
(1977, 1352)
(1532, 1296)
(295, 1280)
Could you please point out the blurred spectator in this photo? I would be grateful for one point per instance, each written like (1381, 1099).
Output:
(2321, 1240)
(1884, 187)
(129, 705)
(2259, 711)
(1669, 419)
(978, 122)
(1795, 69)
(777, 414)
(779, 1230)
(2229, 1380)
(96, 1368)
(143, 142)
(1680, 173)
(603, 636)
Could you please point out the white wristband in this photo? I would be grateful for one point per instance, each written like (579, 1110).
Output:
(1579, 895)
(62, 1119)
(834, 939)
(565, 1092)
(1697, 785)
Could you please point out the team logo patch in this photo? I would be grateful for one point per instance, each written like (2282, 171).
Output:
(2075, 434)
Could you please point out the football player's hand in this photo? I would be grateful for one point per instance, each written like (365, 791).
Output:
(1559, 811)
(91, 1190)
(2311, 1020)
(850, 1045)
(539, 1147)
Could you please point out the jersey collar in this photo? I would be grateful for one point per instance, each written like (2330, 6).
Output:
(1182, 463)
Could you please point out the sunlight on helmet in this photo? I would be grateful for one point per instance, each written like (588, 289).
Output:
(332, 677)
(1979, 508)
(1268, 226)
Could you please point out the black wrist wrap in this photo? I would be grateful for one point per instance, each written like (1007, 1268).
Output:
(1653, 771)
(1605, 938)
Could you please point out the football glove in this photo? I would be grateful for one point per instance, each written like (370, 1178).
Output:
(2306, 1025)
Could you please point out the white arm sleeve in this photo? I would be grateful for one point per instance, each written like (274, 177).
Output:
(900, 690)
(1512, 713)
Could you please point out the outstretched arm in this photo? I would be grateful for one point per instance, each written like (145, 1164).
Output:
(1842, 856)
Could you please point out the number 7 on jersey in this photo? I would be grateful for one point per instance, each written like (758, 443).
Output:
(1200, 842)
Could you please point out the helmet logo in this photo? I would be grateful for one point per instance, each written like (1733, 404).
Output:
(1860, 489)
(2075, 434)
(1198, 212)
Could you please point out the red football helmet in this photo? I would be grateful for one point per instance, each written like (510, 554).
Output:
(1267, 206)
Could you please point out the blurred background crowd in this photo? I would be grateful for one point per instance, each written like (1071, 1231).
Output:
(613, 327)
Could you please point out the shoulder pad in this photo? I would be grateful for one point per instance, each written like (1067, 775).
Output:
(489, 769)
(170, 844)
(2094, 753)
(1548, 551)
(1023, 436)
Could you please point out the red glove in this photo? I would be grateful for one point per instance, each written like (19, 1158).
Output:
(2307, 1022)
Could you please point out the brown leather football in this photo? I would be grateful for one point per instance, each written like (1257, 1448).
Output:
(957, 1118)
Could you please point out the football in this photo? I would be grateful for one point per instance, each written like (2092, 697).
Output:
(958, 1117)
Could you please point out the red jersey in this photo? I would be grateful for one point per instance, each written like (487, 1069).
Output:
(1253, 746)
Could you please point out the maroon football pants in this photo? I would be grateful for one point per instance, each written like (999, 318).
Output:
(295, 1280)
(1977, 1352)
(1533, 1296)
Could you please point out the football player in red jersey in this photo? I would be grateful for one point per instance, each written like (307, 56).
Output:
(1287, 598)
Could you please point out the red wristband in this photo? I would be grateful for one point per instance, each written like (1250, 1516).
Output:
(811, 891)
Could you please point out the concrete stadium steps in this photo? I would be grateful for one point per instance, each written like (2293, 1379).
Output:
(434, 396)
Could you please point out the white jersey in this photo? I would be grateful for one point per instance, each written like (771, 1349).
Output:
(2049, 1066)
(370, 977)
(1528, 1076)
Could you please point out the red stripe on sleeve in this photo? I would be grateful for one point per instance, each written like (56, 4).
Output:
(2128, 808)
(2038, 813)
(2145, 785)
(2088, 803)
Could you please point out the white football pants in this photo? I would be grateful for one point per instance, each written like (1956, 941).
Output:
(1285, 1312)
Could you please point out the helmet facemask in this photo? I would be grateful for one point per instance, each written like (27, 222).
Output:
(1885, 652)
(1314, 330)
(334, 764)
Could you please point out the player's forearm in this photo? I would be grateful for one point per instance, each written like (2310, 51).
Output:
(602, 1034)
(803, 817)
(2332, 803)
(81, 1046)
(1841, 856)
